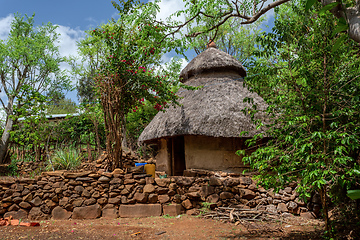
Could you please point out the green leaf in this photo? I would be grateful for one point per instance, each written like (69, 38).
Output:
(309, 4)
(339, 29)
(353, 194)
(328, 7)
(338, 43)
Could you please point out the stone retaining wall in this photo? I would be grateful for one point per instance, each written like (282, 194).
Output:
(86, 195)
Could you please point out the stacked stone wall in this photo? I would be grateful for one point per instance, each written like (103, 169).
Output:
(86, 195)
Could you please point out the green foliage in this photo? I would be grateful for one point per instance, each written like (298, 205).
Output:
(240, 41)
(313, 95)
(12, 169)
(65, 159)
(125, 74)
(29, 72)
(353, 194)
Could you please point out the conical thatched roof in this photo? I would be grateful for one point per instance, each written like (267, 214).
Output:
(214, 110)
(212, 60)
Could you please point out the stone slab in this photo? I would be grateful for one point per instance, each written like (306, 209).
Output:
(140, 210)
(172, 209)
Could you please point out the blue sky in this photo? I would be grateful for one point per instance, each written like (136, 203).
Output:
(73, 18)
(76, 14)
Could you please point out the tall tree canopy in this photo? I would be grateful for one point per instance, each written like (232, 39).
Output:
(29, 71)
(248, 11)
(313, 92)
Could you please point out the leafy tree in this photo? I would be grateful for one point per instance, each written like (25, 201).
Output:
(133, 47)
(29, 66)
(240, 41)
(313, 94)
(249, 11)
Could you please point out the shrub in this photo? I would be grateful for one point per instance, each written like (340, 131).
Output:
(66, 159)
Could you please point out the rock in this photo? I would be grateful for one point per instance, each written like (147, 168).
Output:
(116, 181)
(129, 181)
(77, 202)
(245, 180)
(149, 180)
(84, 179)
(161, 190)
(36, 214)
(230, 182)
(206, 191)
(288, 190)
(13, 207)
(114, 201)
(252, 187)
(88, 212)
(247, 194)
(58, 213)
(76, 175)
(193, 195)
(79, 189)
(163, 198)
(28, 198)
(271, 209)
(104, 179)
(102, 201)
(291, 206)
(281, 207)
(192, 212)
(173, 186)
(36, 201)
(172, 209)
(149, 188)
(213, 198)
(110, 213)
(226, 195)
(214, 181)
(140, 197)
(152, 198)
(63, 201)
(118, 171)
(85, 193)
(308, 215)
(187, 204)
(299, 202)
(162, 182)
(20, 214)
(17, 200)
(25, 205)
(140, 210)
(90, 201)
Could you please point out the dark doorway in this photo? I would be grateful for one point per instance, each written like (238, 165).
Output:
(178, 156)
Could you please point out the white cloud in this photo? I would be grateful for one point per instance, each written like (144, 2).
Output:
(168, 7)
(68, 40)
(5, 26)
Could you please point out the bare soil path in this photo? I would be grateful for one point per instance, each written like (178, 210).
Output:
(183, 228)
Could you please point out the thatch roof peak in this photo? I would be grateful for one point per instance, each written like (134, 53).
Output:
(212, 60)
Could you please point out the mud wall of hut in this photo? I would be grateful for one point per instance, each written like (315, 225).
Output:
(211, 153)
(86, 195)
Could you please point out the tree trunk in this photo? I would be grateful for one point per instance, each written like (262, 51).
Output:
(5, 139)
(89, 151)
(324, 204)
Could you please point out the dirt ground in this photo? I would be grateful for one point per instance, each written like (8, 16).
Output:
(182, 227)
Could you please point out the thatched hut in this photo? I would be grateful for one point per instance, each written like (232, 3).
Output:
(203, 133)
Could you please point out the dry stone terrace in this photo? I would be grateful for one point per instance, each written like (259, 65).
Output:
(88, 195)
